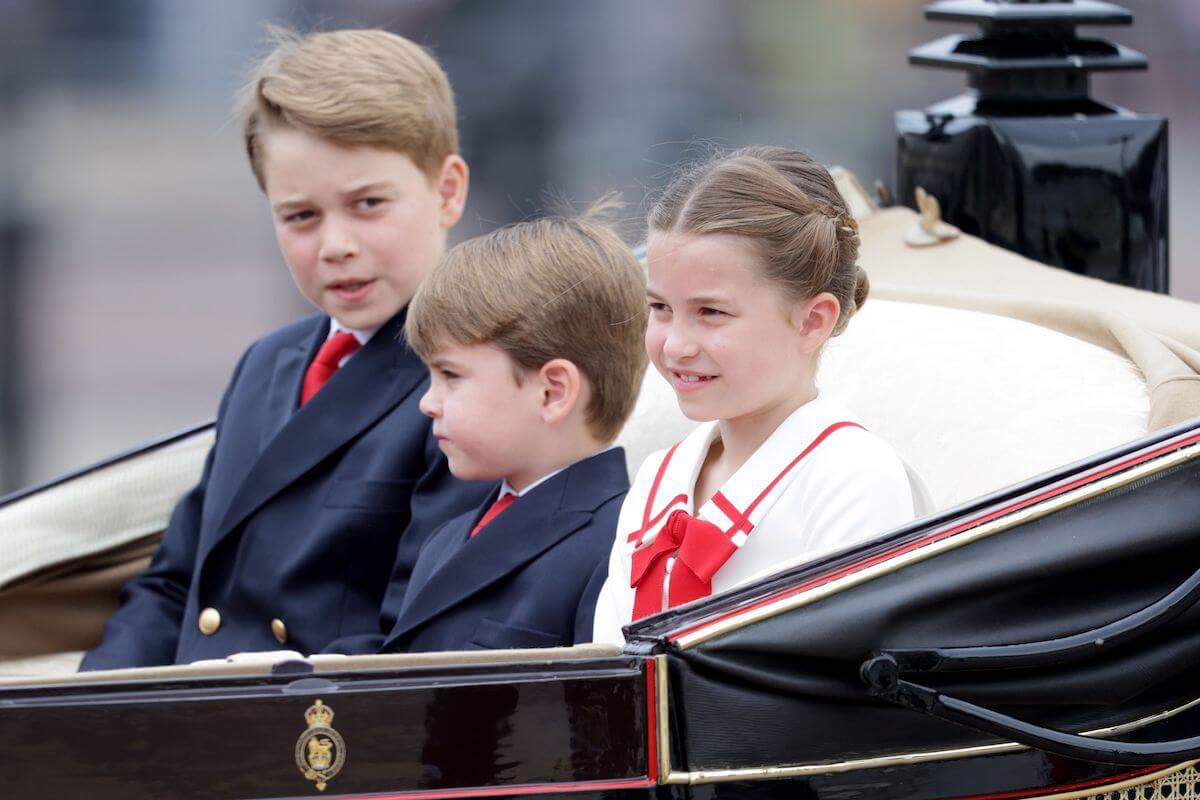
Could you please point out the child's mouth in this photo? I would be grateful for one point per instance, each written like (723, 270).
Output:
(351, 290)
(691, 382)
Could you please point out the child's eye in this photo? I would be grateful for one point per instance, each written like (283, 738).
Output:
(367, 203)
(705, 311)
(448, 374)
(297, 217)
(659, 307)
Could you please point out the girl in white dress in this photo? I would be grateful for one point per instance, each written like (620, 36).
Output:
(752, 267)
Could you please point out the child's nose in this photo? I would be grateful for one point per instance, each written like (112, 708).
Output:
(678, 343)
(428, 404)
(337, 244)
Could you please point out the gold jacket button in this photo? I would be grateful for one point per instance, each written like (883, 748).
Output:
(280, 630)
(210, 621)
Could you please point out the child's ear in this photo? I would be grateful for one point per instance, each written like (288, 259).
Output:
(451, 185)
(814, 320)
(561, 384)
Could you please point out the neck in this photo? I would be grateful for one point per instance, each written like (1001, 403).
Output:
(560, 456)
(742, 436)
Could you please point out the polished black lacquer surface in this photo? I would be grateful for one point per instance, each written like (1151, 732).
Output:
(1028, 160)
(452, 728)
(1087, 193)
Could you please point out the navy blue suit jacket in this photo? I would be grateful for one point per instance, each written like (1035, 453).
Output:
(528, 579)
(299, 511)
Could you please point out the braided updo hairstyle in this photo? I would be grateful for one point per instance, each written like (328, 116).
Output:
(787, 205)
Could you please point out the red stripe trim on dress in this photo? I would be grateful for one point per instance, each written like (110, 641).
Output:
(937, 536)
(658, 476)
(677, 500)
(812, 446)
(740, 521)
(647, 523)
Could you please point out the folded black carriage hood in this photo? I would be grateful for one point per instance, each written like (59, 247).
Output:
(772, 673)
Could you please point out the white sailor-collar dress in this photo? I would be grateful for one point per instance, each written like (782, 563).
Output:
(821, 482)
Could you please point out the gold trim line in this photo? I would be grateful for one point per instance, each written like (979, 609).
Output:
(662, 708)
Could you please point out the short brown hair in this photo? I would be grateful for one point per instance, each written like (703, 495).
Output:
(550, 288)
(787, 205)
(355, 87)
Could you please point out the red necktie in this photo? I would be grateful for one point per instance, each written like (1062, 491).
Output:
(701, 549)
(502, 503)
(336, 348)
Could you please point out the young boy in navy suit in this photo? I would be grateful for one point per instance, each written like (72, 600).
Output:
(533, 336)
(323, 465)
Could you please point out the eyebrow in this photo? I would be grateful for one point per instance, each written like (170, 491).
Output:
(287, 205)
(443, 363)
(284, 206)
(377, 186)
(701, 300)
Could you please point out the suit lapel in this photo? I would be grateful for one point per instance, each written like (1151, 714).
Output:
(525, 530)
(283, 394)
(442, 547)
(370, 385)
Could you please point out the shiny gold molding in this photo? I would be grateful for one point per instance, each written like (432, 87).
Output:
(704, 633)
(664, 727)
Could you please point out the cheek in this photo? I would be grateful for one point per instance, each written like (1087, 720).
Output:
(462, 414)
(295, 249)
(413, 224)
(656, 334)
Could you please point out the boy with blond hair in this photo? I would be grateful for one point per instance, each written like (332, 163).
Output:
(323, 466)
(533, 337)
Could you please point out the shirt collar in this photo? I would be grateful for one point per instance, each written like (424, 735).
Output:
(362, 334)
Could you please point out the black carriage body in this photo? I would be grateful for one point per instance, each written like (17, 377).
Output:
(489, 729)
(756, 693)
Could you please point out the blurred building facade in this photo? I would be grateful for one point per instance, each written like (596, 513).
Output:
(136, 253)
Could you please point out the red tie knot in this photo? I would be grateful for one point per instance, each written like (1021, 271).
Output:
(336, 348)
(332, 352)
(505, 500)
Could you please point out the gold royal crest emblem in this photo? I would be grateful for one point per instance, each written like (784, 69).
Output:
(320, 750)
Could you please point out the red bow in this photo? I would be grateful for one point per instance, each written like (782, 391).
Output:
(701, 548)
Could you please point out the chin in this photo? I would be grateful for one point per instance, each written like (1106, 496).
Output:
(471, 472)
(363, 317)
(695, 412)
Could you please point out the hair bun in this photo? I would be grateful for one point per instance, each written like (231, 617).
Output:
(862, 287)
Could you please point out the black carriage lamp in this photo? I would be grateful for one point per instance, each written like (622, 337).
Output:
(1027, 159)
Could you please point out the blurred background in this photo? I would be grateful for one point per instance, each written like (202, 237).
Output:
(137, 258)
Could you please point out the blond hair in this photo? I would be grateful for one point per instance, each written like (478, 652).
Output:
(354, 87)
(550, 288)
(787, 205)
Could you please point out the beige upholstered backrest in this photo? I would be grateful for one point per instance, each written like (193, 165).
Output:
(68, 549)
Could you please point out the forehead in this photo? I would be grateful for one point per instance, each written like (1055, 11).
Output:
(697, 264)
(484, 355)
(298, 163)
